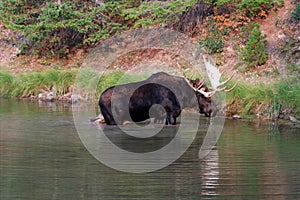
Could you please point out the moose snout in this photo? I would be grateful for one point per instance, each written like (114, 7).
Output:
(211, 111)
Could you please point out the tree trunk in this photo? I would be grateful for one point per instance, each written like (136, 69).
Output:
(190, 21)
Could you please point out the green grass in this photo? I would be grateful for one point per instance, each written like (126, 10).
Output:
(266, 98)
(6, 83)
(32, 83)
(288, 93)
(57, 81)
(89, 82)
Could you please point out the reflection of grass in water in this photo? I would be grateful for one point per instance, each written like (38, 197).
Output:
(248, 99)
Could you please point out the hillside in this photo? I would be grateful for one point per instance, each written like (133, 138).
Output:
(282, 36)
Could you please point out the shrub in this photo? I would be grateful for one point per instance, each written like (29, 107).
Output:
(220, 2)
(296, 12)
(51, 28)
(149, 13)
(213, 42)
(253, 7)
(250, 7)
(253, 54)
(56, 28)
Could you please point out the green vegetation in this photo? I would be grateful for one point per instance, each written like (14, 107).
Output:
(60, 82)
(253, 54)
(51, 28)
(213, 42)
(58, 28)
(266, 99)
(32, 83)
(90, 82)
(254, 7)
(296, 12)
(156, 12)
(250, 7)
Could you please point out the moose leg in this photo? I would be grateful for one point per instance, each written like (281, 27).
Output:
(109, 119)
(159, 120)
(171, 120)
(107, 114)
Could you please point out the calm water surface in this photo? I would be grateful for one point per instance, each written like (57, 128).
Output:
(42, 157)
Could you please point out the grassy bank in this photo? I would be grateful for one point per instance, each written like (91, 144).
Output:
(266, 100)
(269, 101)
(59, 82)
(32, 83)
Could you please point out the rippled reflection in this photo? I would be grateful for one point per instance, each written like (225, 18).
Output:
(210, 173)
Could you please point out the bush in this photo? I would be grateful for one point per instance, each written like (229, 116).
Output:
(296, 12)
(51, 28)
(253, 54)
(253, 7)
(250, 7)
(57, 28)
(149, 13)
(213, 42)
(219, 2)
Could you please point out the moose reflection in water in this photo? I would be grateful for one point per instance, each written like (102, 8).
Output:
(162, 95)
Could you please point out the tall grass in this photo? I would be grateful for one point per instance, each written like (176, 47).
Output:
(87, 80)
(288, 93)
(266, 99)
(6, 83)
(31, 83)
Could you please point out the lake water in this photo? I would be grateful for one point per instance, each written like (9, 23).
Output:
(42, 157)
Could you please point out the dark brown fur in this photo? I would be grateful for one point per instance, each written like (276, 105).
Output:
(172, 93)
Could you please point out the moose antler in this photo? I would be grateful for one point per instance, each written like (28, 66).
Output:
(201, 83)
(199, 88)
(224, 89)
(218, 89)
(215, 77)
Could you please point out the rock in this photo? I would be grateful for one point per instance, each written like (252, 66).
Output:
(281, 116)
(293, 119)
(49, 96)
(74, 98)
(259, 115)
(41, 96)
(127, 122)
(98, 119)
(236, 117)
(46, 96)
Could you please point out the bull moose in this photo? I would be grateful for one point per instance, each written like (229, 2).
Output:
(133, 101)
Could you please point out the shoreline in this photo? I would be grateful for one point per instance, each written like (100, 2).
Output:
(291, 122)
(267, 101)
